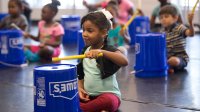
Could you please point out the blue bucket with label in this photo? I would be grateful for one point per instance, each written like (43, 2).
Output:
(151, 58)
(140, 25)
(71, 24)
(11, 48)
(56, 88)
(81, 43)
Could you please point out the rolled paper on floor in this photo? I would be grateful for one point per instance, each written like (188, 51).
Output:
(72, 57)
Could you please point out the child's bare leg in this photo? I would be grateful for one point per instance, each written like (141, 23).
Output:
(173, 62)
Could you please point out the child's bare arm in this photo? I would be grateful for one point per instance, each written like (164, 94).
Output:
(116, 57)
(56, 43)
(27, 35)
(190, 31)
(91, 6)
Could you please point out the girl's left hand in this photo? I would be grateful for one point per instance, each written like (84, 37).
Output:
(83, 95)
(93, 53)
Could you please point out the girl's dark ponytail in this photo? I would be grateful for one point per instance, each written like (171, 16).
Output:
(54, 5)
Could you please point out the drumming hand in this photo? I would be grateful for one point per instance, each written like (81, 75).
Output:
(93, 53)
(190, 18)
(83, 94)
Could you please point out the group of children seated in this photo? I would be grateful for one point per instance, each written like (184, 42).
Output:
(51, 32)
(102, 33)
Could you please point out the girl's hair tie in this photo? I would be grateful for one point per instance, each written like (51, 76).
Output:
(108, 15)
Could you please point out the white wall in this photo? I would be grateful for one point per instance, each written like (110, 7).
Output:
(36, 14)
(147, 7)
(3, 5)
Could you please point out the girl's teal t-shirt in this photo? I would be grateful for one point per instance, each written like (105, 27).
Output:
(114, 37)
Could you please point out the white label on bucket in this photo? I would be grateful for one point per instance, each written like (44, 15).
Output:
(64, 89)
(138, 29)
(137, 48)
(16, 43)
(4, 47)
(40, 92)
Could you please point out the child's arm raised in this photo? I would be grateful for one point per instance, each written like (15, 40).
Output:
(116, 57)
(190, 31)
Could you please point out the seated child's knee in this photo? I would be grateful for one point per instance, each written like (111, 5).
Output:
(174, 61)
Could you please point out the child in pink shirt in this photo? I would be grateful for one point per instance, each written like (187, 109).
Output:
(125, 10)
(50, 34)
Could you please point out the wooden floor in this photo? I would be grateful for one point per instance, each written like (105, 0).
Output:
(179, 92)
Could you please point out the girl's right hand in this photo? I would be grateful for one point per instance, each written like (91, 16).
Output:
(93, 53)
(83, 94)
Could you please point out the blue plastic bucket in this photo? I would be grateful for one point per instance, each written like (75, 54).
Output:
(140, 25)
(2, 15)
(71, 24)
(151, 60)
(11, 48)
(81, 43)
(56, 88)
